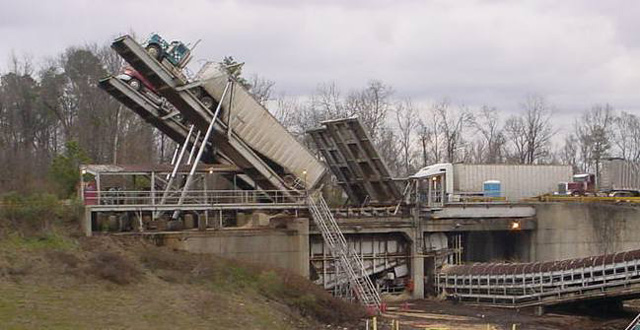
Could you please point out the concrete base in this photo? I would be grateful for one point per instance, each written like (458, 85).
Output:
(281, 248)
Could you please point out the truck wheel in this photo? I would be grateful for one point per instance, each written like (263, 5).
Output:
(154, 50)
(207, 102)
(135, 84)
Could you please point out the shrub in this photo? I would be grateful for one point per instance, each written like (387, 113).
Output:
(65, 169)
(36, 211)
(115, 268)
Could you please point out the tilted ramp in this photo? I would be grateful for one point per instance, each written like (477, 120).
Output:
(171, 84)
(544, 283)
(165, 121)
(149, 111)
(353, 159)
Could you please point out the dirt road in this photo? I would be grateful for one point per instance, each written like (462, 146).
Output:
(434, 314)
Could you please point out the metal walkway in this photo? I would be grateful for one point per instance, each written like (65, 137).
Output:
(347, 260)
(612, 276)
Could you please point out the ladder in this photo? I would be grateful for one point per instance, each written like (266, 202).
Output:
(346, 258)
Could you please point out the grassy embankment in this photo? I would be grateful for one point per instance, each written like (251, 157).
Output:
(52, 278)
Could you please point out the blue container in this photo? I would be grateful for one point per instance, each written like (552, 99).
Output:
(492, 188)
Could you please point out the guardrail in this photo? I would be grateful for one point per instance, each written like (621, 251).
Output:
(192, 197)
(583, 199)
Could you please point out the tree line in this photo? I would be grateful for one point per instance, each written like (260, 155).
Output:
(410, 136)
(56, 114)
(57, 110)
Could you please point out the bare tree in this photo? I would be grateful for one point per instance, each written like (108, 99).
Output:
(371, 105)
(327, 103)
(406, 120)
(490, 148)
(425, 136)
(569, 152)
(593, 134)
(626, 136)
(288, 111)
(530, 133)
(261, 88)
(387, 147)
(452, 123)
(516, 133)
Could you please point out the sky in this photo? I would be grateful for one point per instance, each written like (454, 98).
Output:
(483, 52)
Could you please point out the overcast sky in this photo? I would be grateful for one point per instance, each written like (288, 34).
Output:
(575, 53)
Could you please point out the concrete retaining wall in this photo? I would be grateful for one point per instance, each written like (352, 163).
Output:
(283, 248)
(581, 230)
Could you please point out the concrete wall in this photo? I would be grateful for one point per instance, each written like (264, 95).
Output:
(283, 248)
(572, 230)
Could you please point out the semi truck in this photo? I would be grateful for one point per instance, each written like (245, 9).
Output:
(582, 185)
(244, 130)
(450, 183)
(618, 178)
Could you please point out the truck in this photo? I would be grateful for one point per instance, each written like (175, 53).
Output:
(176, 52)
(460, 182)
(620, 178)
(582, 185)
(244, 130)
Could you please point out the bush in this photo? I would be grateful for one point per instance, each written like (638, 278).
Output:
(65, 169)
(36, 211)
(115, 268)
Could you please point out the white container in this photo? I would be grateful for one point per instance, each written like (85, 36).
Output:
(517, 181)
(619, 174)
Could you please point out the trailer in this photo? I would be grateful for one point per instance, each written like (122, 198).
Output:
(450, 183)
(259, 129)
(620, 177)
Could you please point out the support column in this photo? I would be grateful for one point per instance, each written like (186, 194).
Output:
(301, 226)
(87, 221)
(417, 262)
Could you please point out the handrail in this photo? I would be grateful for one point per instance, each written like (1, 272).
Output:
(191, 197)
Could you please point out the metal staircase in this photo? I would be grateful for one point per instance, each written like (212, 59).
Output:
(346, 258)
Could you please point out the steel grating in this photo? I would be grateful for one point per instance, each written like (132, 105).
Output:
(353, 159)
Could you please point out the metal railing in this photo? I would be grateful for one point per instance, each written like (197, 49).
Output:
(584, 199)
(347, 260)
(192, 197)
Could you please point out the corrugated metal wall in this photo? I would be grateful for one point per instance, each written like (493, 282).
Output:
(619, 174)
(518, 181)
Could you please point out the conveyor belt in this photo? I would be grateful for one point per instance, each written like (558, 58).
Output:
(544, 283)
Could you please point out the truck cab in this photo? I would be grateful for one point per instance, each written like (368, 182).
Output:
(176, 52)
(582, 185)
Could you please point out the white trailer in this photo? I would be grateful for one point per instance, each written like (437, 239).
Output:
(259, 129)
(455, 182)
(619, 175)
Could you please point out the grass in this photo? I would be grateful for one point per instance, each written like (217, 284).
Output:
(48, 241)
(53, 281)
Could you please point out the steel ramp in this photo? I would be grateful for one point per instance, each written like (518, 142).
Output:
(154, 115)
(354, 160)
(167, 81)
